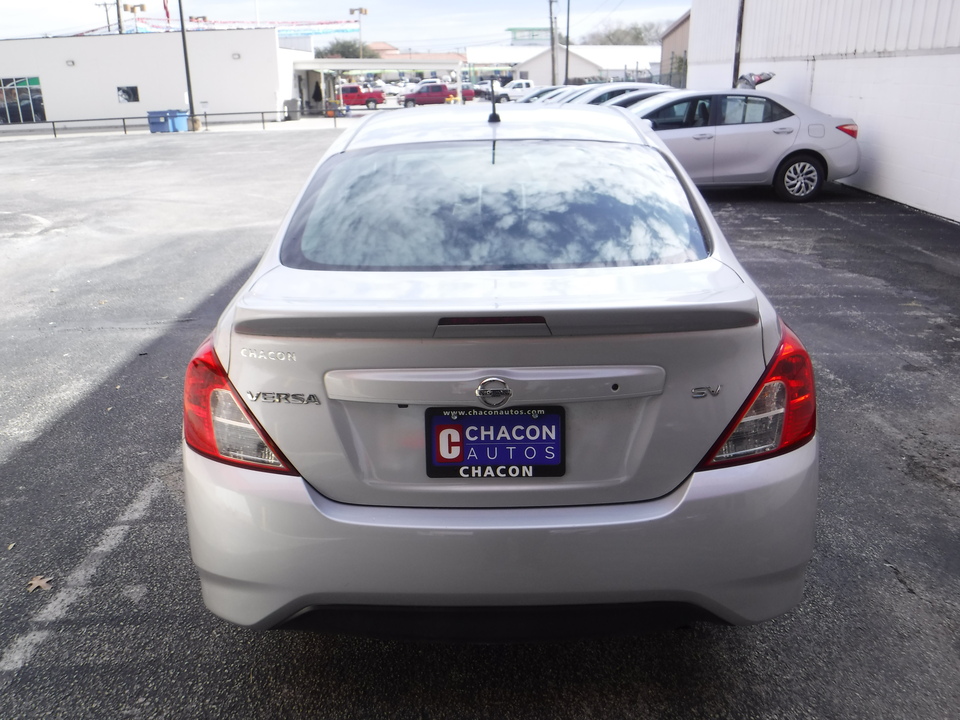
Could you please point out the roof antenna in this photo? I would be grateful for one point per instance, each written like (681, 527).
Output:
(493, 101)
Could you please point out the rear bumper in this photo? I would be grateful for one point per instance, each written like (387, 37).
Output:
(843, 161)
(734, 542)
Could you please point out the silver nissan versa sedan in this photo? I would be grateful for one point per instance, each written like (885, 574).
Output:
(549, 399)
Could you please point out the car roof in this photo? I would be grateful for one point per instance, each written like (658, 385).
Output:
(567, 91)
(600, 88)
(517, 121)
(634, 96)
(681, 94)
(539, 92)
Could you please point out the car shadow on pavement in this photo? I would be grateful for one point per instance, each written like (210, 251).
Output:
(832, 193)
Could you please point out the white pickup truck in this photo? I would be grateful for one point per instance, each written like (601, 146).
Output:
(515, 90)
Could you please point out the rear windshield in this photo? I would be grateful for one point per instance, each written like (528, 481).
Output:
(508, 205)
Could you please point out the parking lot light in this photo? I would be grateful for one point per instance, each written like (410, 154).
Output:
(360, 11)
(133, 9)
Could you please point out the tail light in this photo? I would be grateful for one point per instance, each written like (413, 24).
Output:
(216, 422)
(850, 129)
(780, 415)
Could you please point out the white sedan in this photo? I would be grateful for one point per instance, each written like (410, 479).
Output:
(551, 397)
(748, 137)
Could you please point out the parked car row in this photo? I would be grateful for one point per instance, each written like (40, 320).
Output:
(594, 94)
(733, 137)
(721, 138)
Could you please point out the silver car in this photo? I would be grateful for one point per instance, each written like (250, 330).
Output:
(537, 94)
(551, 393)
(629, 99)
(748, 137)
(603, 92)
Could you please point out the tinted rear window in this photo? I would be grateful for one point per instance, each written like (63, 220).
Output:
(512, 205)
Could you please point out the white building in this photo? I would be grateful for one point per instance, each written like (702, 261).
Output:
(125, 76)
(592, 63)
(587, 62)
(893, 66)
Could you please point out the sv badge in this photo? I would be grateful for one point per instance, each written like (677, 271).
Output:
(702, 392)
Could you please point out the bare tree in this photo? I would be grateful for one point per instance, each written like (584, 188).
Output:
(345, 49)
(647, 33)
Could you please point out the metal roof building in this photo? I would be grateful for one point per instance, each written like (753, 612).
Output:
(892, 66)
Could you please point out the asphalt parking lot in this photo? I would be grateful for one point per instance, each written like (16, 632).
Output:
(117, 253)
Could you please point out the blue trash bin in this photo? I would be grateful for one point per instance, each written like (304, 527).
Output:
(178, 120)
(158, 121)
(167, 120)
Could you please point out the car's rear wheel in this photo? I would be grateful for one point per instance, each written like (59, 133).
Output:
(799, 178)
(503, 98)
(371, 104)
(409, 103)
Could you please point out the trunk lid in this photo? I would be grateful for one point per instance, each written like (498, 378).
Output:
(352, 374)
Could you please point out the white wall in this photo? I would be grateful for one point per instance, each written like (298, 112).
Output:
(907, 109)
(538, 68)
(894, 67)
(713, 30)
(287, 76)
(153, 62)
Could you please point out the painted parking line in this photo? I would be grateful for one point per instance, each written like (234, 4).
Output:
(18, 653)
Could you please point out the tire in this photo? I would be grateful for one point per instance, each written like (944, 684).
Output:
(799, 178)
(409, 103)
(503, 98)
(371, 104)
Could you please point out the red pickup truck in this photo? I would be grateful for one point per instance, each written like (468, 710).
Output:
(433, 94)
(356, 95)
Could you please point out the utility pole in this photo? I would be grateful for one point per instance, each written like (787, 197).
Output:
(106, 12)
(566, 61)
(119, 19)
(186, 65)
(736, 49)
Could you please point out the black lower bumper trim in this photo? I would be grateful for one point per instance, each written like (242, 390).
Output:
(497, 624)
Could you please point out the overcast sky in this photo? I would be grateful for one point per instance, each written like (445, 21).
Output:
(437, 25)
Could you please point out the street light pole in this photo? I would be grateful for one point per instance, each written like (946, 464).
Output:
(553, 46)
(133, 9)
(360, 12)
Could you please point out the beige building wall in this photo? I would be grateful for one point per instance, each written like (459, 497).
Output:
(674, 44)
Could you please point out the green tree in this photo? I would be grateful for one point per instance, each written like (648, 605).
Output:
(345, 49)
(647, 33)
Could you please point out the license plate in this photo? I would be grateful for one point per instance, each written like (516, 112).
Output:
(479, 443)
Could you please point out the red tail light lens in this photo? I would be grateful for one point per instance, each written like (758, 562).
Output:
(780, 415)
(216, 422)
(851, 129)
